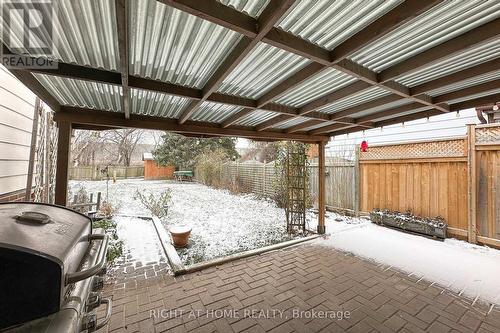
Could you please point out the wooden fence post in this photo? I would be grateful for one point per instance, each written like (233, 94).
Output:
(264, 178)
(63, 151)
(321, 187)
(472, 183)
(356, 184)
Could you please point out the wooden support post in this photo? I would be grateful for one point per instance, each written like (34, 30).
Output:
(357, 188)
(321, 187)
(63, 152)
(472, 183)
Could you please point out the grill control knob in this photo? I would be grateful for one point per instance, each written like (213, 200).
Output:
(93, 301)
(97, 283)
(89, 322)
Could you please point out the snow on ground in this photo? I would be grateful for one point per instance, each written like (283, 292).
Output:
(223, 223)
(453, 264)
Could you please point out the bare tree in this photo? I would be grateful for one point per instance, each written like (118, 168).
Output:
(126, 141)
(84, 146)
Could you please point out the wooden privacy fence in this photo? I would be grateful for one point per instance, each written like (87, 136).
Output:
(340, 185)
(94, 173)
(259, 178)
(484, 181)
(252, 177)
(455, 178)
(427, 178)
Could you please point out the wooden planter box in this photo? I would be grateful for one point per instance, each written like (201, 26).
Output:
(430, 227)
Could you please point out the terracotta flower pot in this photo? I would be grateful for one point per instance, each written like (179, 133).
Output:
(180, 235)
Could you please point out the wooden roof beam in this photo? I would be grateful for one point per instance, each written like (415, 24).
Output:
(364, 106)
(481, 69)
(336, 95)
(217, 13)
(275, 121)
(286, 41)
(388, 113)
(392, 20)
(329, 128)
(469, 91)
(32, 83)
(490, 99)
(121, 13)
(113, 119)
(472, 38)
(231, 120)
(302, 126)
(271, 14)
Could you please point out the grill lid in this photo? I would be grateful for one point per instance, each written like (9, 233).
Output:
(47, 230)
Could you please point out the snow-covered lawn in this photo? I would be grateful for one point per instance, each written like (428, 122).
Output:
(223, 223)
(456, 265)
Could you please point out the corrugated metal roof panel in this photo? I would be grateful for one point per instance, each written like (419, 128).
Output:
(437, 25)
(466, 83)
(151, 103)
(313, 127)
(214, 112)
(292, 122)
(83, 94)
(252, 8)
(469, 58)
(83, 33)
(320, 84)
(484, 93)
(172, 46)
(262, 69)
(328, 23)
(394, 104)
(353, 100)
(423, 108)
(256, 117)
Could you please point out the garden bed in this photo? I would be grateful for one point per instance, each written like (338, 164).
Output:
(222, 223)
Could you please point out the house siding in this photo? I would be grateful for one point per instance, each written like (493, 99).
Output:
(17, 104)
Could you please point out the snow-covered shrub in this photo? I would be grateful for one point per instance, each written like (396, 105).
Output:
(107, 209)
(208, 167)
(156, 204)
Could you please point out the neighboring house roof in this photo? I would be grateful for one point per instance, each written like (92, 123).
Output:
(147, 156)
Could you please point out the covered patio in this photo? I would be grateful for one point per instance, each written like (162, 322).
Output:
(309, 288)
(270, 70)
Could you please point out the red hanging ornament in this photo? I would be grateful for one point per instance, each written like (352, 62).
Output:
(364, 146)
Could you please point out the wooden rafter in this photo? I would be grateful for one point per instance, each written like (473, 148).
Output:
(275, 121)
(263, 29)
(493, 98)
(389, 113)
(112, 119)
(235, 117)
(84, 73)
(121, 11)
(388, 22)
(472, 38)
(469, 91)
(395, 18)
(302, 126)
(481, 69)
(271, 14)
(286, 41)
(31, 82)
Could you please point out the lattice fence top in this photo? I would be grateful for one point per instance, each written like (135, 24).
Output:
(428, 149)
(488, 134)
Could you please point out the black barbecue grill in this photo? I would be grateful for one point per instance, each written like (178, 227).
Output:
(50, 266)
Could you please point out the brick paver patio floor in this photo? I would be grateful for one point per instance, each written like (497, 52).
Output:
(306, 288)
